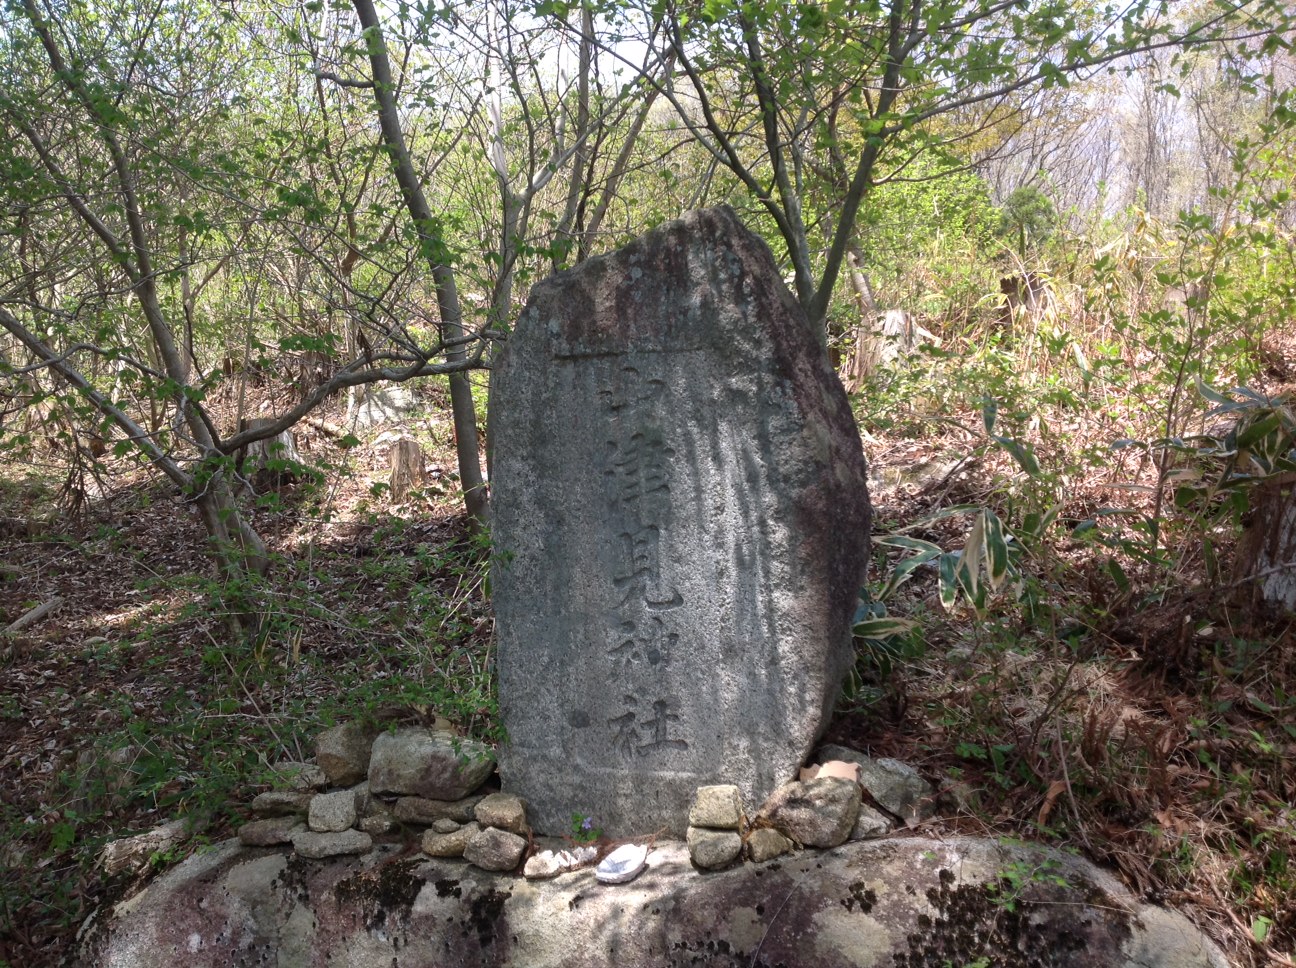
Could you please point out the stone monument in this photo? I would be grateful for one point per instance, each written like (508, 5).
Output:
(680, 527)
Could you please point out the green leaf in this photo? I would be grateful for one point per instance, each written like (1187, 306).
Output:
(883, 628)
(969, 565)
(908, 544)
(62, 835)
(904, 570)
(949, 585)
(1118, 575)
(1210, 393)
(989, 413)
(1260, 928)
(1258, 430)
(1023, 454)
(996, 550)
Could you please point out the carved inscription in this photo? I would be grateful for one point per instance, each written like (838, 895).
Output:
(641, 625)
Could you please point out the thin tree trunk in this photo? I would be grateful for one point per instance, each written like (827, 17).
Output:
(434, 252)
(238, 548)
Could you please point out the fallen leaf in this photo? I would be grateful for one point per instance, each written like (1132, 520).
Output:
(1055, 790)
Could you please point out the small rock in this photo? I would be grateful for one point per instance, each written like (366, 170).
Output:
(542, 866)
(870, 824)
(278, 802)
(445, 825)
(448, 845)
(622, 865)
(505, 811)
(718, 807)
(368, 805)
(962, 797)
(331, 812)
(493, 849)
(300, 777)
(135, 852)
(549, 863)
(317, 846)
(578, 857)
(435, 765)
(269, 832)
(766, 844)
(343, 752)
(376, 824)
(425, 812)
(713, 848)
(896, 786)
(817, 813)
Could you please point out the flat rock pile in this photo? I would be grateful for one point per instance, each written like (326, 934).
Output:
(430, 786)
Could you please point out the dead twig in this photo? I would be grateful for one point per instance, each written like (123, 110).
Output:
(32, 615)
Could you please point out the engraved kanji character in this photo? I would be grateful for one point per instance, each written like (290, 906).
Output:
(658, 727)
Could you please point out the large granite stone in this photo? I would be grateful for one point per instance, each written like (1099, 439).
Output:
(426, 763)
(873, 904)
(817, 813)
(681, 527)
(343, 753)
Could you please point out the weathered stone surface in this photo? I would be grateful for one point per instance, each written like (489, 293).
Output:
(269, 832)
(718, 806)
(137, 851)
(383, 405)
(713, 848)
(279, 802)
(681, 516)
(317, 846)
(817, 813)
(503, 810)
(870, 823)
(452, 844)
(766, 844)
(300, 777)
(445, 825)
(493, 849)
(366, 804)
(376, 824)
(426, 812)
(331, 812)
(343, 752)
(423, 763)
(895, 785)
(865, 905)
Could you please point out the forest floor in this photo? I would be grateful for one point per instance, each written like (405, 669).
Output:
(1150, 727)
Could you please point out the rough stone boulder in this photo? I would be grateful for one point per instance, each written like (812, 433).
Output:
(343, 753)
(904, 902)
(681, 523)
(428, 763)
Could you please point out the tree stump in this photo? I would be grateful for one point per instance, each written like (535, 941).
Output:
(269, 462)
(406, 468)
(1266, 553)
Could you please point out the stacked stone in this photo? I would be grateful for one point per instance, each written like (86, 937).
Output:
(365, 783)
(494, 839)
(715, 826)
(823, 809)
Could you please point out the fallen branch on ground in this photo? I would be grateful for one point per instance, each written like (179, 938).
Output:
(32, 615)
